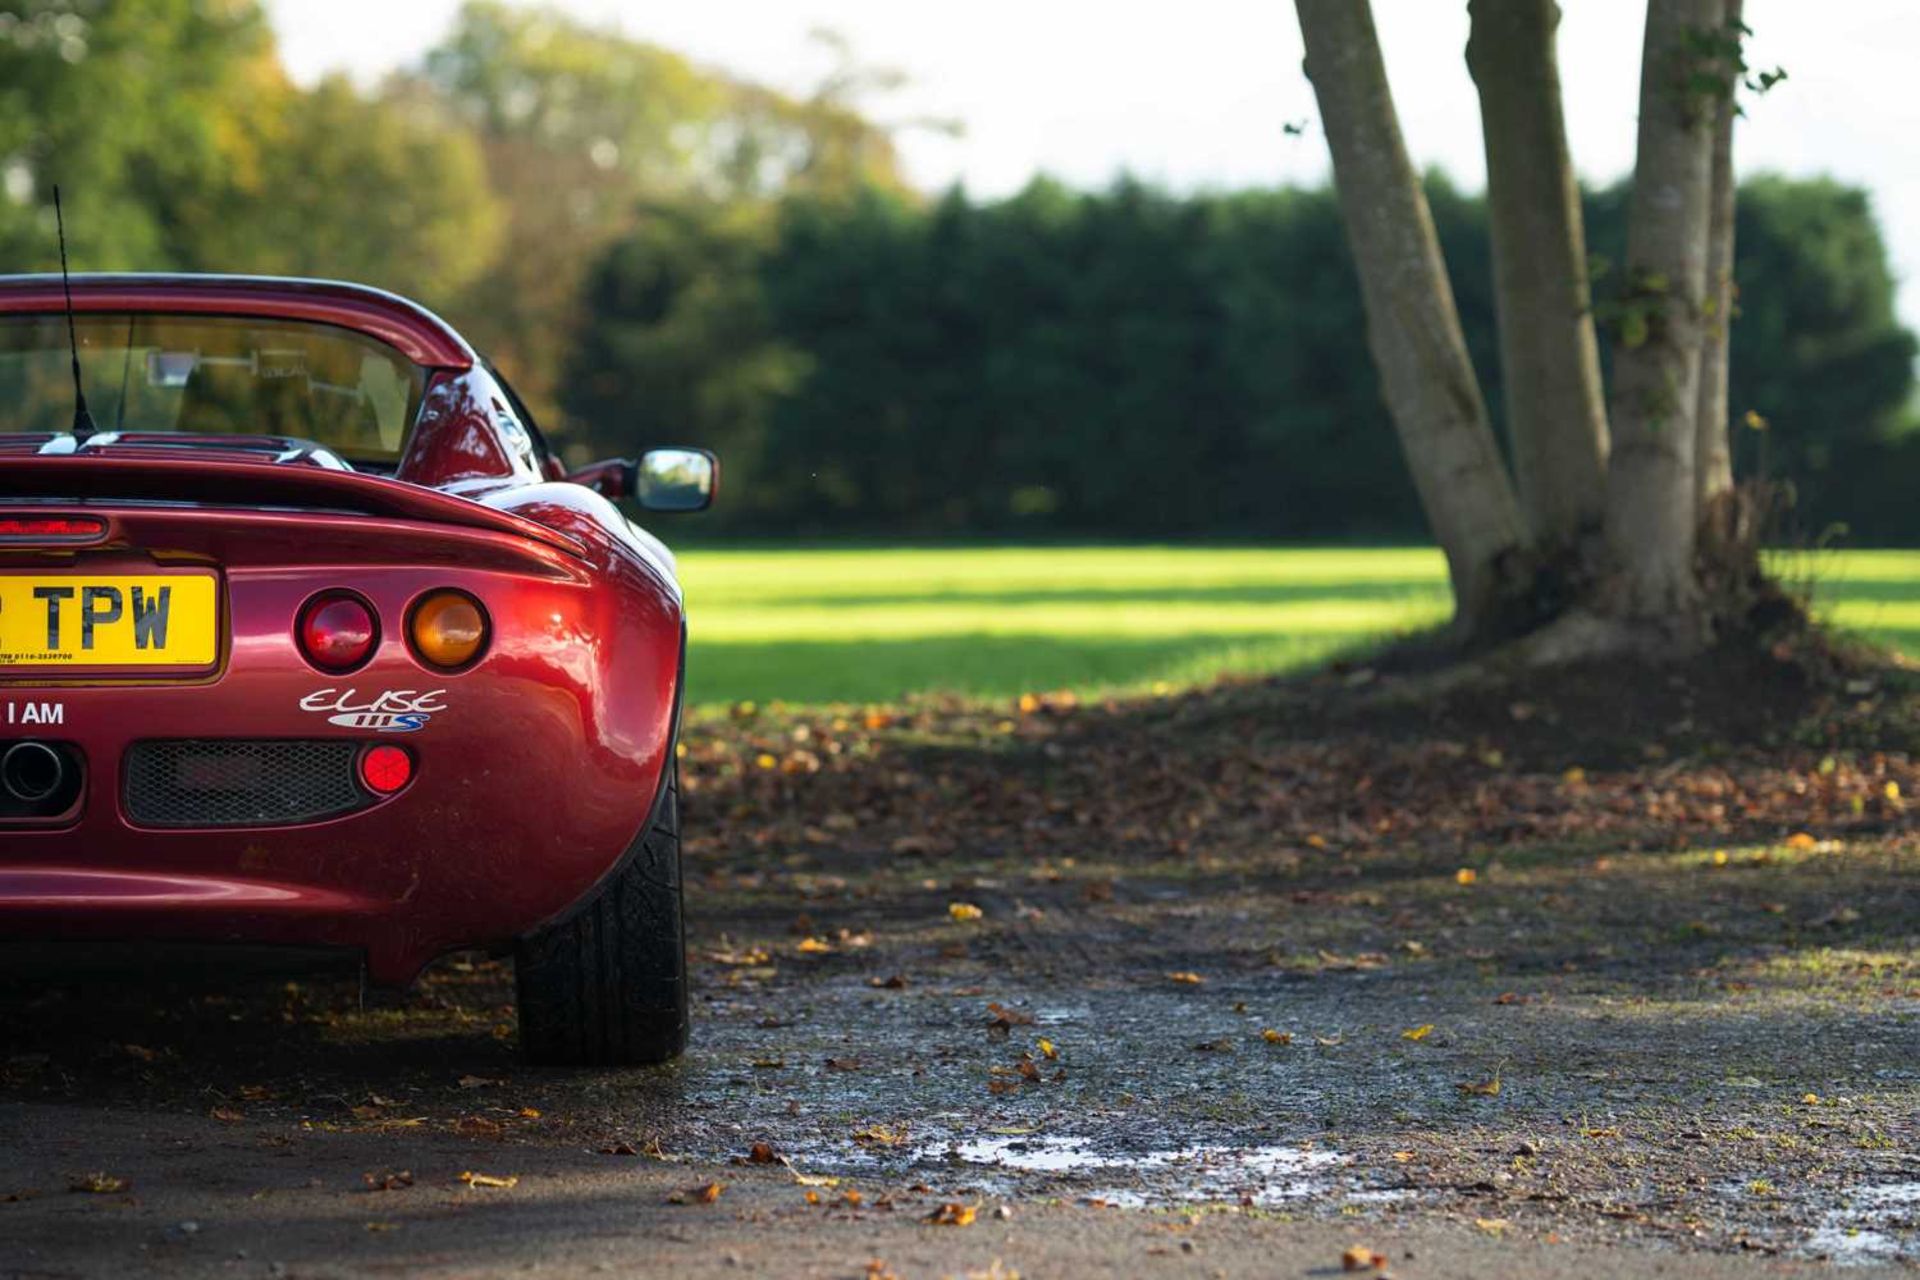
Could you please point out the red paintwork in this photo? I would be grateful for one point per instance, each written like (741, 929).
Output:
(528, 786)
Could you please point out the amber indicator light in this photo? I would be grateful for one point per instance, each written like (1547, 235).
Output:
(448, 629)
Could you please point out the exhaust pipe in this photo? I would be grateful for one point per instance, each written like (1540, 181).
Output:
(30, 772)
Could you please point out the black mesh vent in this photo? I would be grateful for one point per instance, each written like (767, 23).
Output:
(240, 784)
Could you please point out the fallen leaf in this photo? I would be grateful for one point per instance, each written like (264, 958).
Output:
(1801, 840)
(1185, 976)
(1045, 1046)
(1418, 1033)
(894, 983)
(952, 1215)
(227, 1115)
(880, 1135)
(388, 1179)
(1483, 1089)
(843, 1064)
(761, 1153)
(1276, 1037)
(1466, 875)
(1360, 1258)
(814, 946)
(478, 1082)
(473, 1179)
(99, 1184)
(964, 911)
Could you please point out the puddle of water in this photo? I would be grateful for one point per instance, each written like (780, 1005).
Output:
(1266, 1175)
(1877, 1225)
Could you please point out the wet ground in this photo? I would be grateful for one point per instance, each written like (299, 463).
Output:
(1220, 985)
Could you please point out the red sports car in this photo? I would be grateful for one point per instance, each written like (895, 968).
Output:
(308, 640)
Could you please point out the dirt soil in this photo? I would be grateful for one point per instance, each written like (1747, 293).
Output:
(1613, 973)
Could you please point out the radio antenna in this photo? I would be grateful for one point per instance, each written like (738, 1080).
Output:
(83, 425)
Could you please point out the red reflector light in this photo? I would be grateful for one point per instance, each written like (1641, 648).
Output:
(337, 632)
(53, 528)
(385, 769)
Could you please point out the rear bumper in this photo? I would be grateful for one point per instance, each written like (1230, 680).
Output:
(531, 780)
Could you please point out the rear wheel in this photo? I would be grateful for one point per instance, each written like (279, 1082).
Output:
(608, 985)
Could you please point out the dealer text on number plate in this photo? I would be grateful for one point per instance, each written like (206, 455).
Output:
(116, 620)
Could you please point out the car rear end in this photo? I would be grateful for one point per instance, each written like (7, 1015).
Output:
(253, 702)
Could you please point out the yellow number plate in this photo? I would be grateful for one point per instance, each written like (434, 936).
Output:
(83, 620)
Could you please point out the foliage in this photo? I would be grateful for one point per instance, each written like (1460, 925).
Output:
(486, 181)
(182, 145)
(129, 105)
(694, 256)
(584, 129)
(679, 346)
(1133, 363)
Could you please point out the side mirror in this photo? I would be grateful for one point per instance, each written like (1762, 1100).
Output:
(661, 480)
(676, 479)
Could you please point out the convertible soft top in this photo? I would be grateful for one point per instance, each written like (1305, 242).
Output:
(409, 328)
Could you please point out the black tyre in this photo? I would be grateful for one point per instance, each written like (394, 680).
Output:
(608, 985)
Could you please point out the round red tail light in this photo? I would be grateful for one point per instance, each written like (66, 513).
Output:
(384, 769)
(337, 632)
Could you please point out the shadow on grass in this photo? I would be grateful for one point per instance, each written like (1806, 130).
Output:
(1424, 591)
(861, 670)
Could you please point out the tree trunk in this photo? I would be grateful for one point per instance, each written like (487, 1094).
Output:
(1650, 521)
(1713, 454)
(1549, 360)
(1413, 328)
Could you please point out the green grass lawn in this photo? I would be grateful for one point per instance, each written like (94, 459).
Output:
(869, 625)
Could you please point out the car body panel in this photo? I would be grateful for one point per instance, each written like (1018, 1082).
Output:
(535, 767)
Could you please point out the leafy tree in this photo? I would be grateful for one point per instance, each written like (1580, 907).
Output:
(1131, 364)
(582, 128)
(680, 348)
(128, 106)
(379, 189)
(182, 145)
(1675, 563)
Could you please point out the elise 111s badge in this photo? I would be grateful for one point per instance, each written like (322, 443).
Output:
(390, 711)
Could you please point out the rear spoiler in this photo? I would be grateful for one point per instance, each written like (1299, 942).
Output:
(83, 478)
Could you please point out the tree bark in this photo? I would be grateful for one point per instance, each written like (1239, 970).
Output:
(1413, 327)
(1651, 508)
(1549, 360)
(1713, 454)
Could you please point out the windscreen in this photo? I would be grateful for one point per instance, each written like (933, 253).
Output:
(212, 375)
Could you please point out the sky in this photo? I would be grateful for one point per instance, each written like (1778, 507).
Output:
(1195, 95)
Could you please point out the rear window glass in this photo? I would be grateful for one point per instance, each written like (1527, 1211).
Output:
(212, 375)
